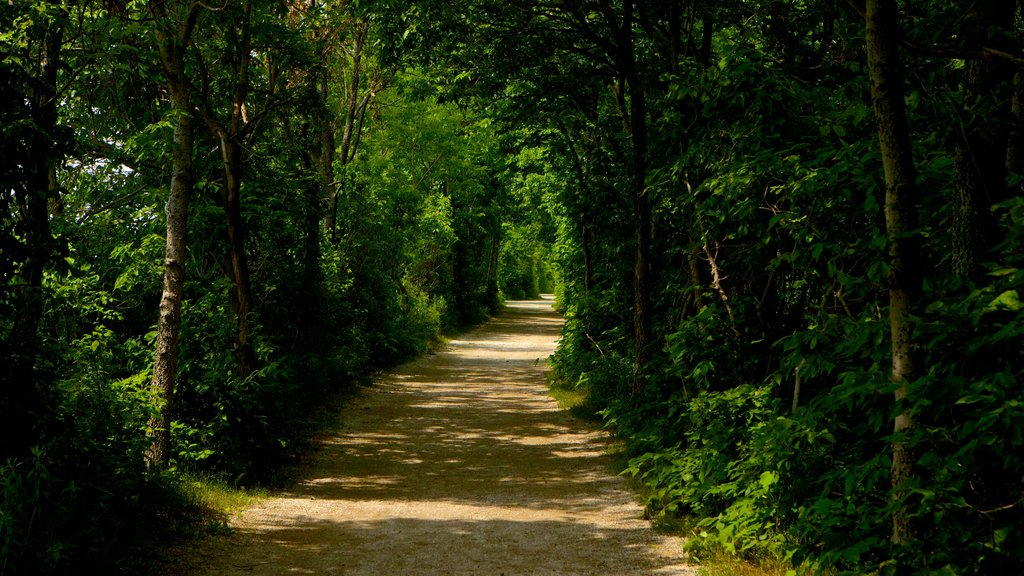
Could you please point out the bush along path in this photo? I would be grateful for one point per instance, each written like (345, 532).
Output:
(457, 463)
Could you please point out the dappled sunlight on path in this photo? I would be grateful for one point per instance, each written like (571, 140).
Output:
(457, 463)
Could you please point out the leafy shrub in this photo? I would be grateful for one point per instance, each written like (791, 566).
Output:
(30, 505)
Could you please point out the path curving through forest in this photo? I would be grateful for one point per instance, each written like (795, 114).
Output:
(458, 463)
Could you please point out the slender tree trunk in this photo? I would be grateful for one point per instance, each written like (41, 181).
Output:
(642, 267)
(588, 264)
(977, 166)
(232, 144)
(675, 35)
(965, 224)
(352, 99)
(491, 280)
(245, 358)
(904, 277)
(352, 121)
(23, 398)
(586, 231)
(1015, 139)
(977, 176)
(634, 121)
(695, 298)
(326, 170)
(707, 34)
(641, 203)
(165, 364)
(173, 41)
(320, 161)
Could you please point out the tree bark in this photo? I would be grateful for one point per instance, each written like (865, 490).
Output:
(707, 34)
(588, 264)
(23, 400)
(319, 160)
(904, 276)
(641, 202)
(629, 85)
(325, 168)
(491, 279)
(694, 299)
(232, 141)
(977, 174)
(978, 167)
(1015, 139)
(586, 231)
(173, 41)
(231, 148)
(241, 297)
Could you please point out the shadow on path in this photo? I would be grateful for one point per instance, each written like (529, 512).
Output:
(458, 463)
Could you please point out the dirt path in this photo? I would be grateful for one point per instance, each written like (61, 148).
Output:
(458, 463)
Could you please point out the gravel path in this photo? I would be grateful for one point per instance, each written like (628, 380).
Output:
(458, 463)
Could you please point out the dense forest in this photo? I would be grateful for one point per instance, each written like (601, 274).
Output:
(786, 236)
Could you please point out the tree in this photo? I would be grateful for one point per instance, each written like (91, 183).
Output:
(622, 51)
(904, 276)
(175, 23)
(234, 135)
(34, 143)
(359, 83)
(979, 155)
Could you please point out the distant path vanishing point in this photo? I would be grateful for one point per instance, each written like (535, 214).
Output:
(457, 463)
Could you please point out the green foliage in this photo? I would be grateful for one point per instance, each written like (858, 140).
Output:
(523, 266)
(414, 255)
(493, 165)
(27, 497)
(765, 416)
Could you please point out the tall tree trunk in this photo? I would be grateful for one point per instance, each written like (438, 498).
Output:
(23, 399)
(642, 237)
(707, 34)
(977, 174)
(588, 263)
(586, 231)
(978, 167)
(232, 143)
(1015, 139)
(491, 280)
(321, 163)
(325, 170)
(904, 276)
(694, 299)
(318, 159)
(173, 40)
(641, 203)
(231, 148)
(241, 297)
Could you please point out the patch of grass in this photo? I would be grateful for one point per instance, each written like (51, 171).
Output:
(714, 560)
(734, 567)
(569, 399)
(219, 496)
(574, 400)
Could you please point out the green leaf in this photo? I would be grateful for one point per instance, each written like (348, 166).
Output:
(1008, 300)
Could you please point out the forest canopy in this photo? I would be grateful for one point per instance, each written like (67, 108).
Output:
(786, 236)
